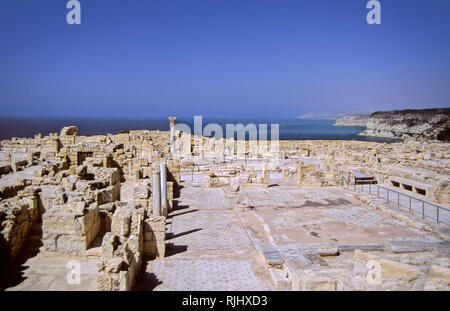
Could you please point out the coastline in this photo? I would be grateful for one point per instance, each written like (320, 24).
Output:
(422, 124)
(289, 128)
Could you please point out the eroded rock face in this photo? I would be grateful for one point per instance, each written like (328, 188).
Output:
(430, 124)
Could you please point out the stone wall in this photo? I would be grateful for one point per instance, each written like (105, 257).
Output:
(69, 229)
(155, 237)
(16, 219)
(122, 249)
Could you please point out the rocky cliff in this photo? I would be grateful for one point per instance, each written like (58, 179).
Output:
(427, 124)
(357, 120)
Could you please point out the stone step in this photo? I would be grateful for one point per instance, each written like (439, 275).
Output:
(279, 279)
(271, 257)
(364, 247)
(304, 278)
(414, 246)
(323, 249)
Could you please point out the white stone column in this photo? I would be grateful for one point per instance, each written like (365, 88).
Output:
(172, 134)
(164, 203)
(156, 191)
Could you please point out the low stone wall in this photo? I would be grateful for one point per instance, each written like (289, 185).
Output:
(397, 265)
(10, 191)
(311, 175)
(155, 237)
(108, 195)
(16, 219)
(122, 250)
(69, 229)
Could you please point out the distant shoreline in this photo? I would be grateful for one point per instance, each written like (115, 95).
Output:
(290, 128)
(421, 124)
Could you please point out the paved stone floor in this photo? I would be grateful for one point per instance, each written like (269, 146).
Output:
(208, 248)
(213, 241)
(41, 273)
(291, 217)
(213, 238)
(10, 179)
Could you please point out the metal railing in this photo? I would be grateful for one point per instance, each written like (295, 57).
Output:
(401, 200)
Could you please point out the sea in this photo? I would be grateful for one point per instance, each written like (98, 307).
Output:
(289, 128)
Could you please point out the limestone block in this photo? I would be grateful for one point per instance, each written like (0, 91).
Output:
(322, 249)
(121, 221)
(146, 172)
(74, 197)
(135, 245)
(17, 217)
(115, 177)
(207, 182)
(303, 278)
(82, 186)
(142, 190)
(124, 284)
(49, 243)
(90, 224)
(271, 257)
(137, 217)
(154, 237)
(110, 244)
(39, 172)
(393, 269)
(113, 265)
(15, 166)
(234, 186)
(71, 244)
(411, 246)
(279, 279)
(57, 221)
(108, 282)
(107, 195)
(386, 273)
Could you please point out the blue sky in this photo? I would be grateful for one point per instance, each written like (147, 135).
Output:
(222, 58)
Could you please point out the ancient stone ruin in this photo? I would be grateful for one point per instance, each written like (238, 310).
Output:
(149, 210)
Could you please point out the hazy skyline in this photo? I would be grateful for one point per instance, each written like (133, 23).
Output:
(222, 58)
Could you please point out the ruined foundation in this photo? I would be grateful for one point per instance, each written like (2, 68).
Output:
(146, 206)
